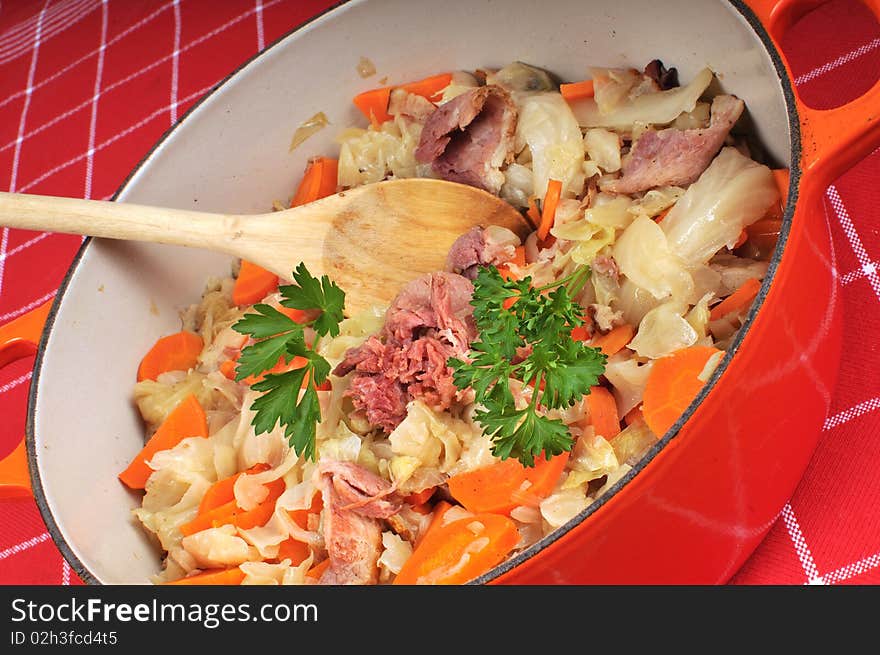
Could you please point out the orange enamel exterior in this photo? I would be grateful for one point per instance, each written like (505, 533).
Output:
(19, 339)
(716, 483)
(698, 509)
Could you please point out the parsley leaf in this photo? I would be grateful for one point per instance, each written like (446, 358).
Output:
(311, 293)
(289, 397)
(535, 332)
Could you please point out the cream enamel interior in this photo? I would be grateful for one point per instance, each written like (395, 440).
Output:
(231, 154)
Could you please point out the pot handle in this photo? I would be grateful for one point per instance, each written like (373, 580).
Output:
(832, 140)
(18, 339)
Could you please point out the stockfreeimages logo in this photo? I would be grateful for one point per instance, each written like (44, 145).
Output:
(208, 615)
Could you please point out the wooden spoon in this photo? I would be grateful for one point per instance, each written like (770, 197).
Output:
(370, 240)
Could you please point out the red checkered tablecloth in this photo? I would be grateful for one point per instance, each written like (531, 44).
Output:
(87, 86)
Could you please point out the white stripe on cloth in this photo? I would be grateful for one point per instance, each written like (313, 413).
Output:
(868, 269)
(855, 241)
(23, 31)
(175, 62)
(112, 139)
(854, 569)
(800, 545)
(27, 103)
(96, 95)
(77, 62)
(261, 35)
(65, 572)
(63, 16)
(24, 246)
(136, 74)
(837, 63)
(4, 242)
(14, 383)
(851, 413)
(26, 308)
(24, 545)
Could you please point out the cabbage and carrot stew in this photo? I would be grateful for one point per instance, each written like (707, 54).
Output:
(491, 402)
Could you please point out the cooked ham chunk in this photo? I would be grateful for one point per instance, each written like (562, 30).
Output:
(355, 499)
(480, 247)
(676, 157)
(429, 321)
(470, 138)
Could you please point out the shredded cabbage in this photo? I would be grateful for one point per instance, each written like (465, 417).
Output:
(644, 256)
(628, 379)
(374, 154)
(603, 147)
(732, 193)
(663, 331)
(549, 129)
(648, 108)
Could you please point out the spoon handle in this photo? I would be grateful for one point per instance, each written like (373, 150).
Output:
(114, 220)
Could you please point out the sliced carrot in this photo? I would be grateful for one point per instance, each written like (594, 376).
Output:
(603, 412)
(672, 384)
(633, 415)
(231, 513)
(505, 272)
(227, 368)
(233, 576)
(614, 341)
(420, 497)
(318, 569)
(659, 217)
(577, 90)
(533, 212)
(548, 209)
(429, 87)
(763, 235)
(319, 181)
(186, 420)
(221, 492)
(253, 284)
(374, 103)
(741, 239)
(782, 178)
(460, 551)
(280, 367)
(737, 301)
(580, 333)
(439, 512)
(519, 256)
(300, 316)
(503, 485)
(175, 352)
(295, 551)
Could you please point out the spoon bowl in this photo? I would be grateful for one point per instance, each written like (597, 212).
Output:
(371, 240)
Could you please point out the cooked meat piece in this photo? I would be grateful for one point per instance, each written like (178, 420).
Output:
(466, 254)
(354, 500)
(477, 247)
(436, 301)
(606, 265)
(676, 157)
(470, 138)
(429, 321)
(361, 490)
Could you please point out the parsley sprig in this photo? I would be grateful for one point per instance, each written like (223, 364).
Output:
(277, 338)
(560, 369)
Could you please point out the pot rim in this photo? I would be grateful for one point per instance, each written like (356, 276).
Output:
(763, 37)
